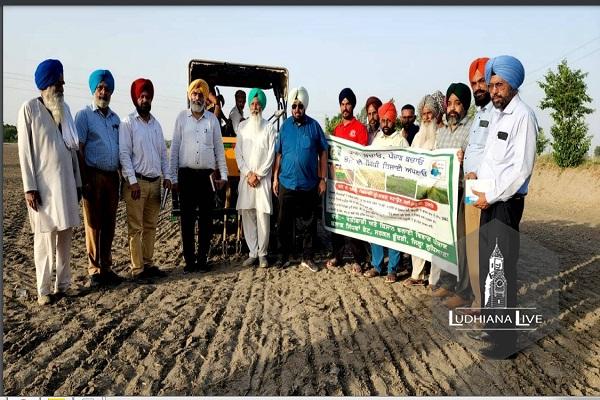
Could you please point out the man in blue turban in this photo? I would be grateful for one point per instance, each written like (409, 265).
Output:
(507, 69)
(507, 164)
(47, 142)
(48, 73)
(101, 75)
(98, 129)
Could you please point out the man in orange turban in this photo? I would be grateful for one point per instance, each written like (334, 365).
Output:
(477, 138)
(387, 136)
(143, 157)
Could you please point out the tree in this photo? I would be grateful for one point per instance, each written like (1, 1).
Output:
(541, 142)
(566, 95)
(330, 124)
(597, 151)
(9, 133)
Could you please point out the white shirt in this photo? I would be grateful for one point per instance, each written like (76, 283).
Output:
(509, 150)
(477, 138)
(142, 148)
(396, 139)
(49, 167)
(197, 144)
(255, 151)
(236, 117)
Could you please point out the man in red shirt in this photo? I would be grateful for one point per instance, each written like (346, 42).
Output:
(350, 129)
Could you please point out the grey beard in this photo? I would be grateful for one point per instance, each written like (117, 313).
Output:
(101, 103)
(452, 121)
(55, 104)
(197, 108)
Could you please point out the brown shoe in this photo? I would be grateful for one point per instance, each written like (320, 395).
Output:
(456, 301)
(391, 278)
(441, 292)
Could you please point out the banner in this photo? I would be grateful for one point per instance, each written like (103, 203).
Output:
(405, 199)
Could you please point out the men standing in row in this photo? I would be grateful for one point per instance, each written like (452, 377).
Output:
(236, 115)
(47, 142)
(507, 160)
(456, 135)
(387, 136)
(473, 154)
(143, 156)
(196, 151)
(408, 118)
(254, 153)
(299, 178)
(350, 129)
(98, 129)
(372, 106)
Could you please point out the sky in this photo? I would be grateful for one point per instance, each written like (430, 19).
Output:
(399, 52)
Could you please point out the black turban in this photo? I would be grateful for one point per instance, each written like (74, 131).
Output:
(347, 93)
(461, 91)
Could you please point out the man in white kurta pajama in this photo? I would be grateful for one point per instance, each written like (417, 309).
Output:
(47, 141)
(254, 153)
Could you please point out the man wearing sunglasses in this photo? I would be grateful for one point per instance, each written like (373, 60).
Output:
(299, 178)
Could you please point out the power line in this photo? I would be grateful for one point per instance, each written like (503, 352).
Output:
(32, 91)
(564, 55)
(27, 78)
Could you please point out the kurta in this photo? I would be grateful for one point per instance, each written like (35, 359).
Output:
(255, 151)
(49, 167)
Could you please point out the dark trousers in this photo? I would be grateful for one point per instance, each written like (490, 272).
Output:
(292, 204)
(100, 201)
(358, 248)
(196, 201)
(503, 233)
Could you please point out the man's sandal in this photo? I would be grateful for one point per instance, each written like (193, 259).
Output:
(390, 278)
(356, 269)
(332, 264)
(371, 273)
(414, 282)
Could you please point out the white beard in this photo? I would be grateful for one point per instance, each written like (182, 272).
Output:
(55, 103)
(425, 138)
(255, 121)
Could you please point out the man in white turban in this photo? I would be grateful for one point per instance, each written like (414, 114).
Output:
(299, 179)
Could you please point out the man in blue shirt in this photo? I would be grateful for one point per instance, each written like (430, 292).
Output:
(299, 177)
(98, 131)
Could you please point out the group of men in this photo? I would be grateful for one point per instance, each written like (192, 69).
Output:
(93, 155)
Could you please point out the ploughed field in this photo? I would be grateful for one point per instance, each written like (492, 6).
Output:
(249, 331)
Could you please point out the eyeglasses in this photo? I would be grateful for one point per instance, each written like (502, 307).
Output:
(498, 86)
(300, 106)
